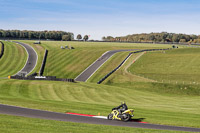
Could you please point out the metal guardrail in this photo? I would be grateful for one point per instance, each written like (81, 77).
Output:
(2, 49)
(105, 77)
(43, 63)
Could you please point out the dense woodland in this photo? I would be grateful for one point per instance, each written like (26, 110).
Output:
(156, 37)
(26, 34)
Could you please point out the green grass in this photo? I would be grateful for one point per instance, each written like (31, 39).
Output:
(123, 75)
(177, 66)
(138, 84)
(70, 63)
(17, 124)
(90, 98)
(13, 60)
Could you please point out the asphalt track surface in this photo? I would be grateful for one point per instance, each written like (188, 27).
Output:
(33, 113)
(31, 61)
(87, 73)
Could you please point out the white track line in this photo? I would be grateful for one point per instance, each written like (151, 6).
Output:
(100, 117)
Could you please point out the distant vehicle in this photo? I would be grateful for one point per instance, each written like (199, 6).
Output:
(37, 42)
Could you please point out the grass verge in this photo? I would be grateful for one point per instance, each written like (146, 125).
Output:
(90, 98)
(13, 60)
(17, 124)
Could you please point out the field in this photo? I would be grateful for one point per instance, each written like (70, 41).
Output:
(108, 66)
(181, 66)
(13, 60)
(65, 63)
(143, 85)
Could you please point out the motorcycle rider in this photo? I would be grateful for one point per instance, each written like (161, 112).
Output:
(121, 108)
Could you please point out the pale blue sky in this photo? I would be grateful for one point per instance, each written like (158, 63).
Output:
(102, 17)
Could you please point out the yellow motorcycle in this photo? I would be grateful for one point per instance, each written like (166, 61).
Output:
(124, 116)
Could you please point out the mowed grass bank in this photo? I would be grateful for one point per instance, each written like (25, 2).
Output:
(65, 63)
(17, 124)
(176, 66)
(69, 63)
(13, 60)
(88, 98)
(108, 66)
(123, 75)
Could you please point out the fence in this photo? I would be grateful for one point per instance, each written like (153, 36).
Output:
(43, 63)
(50, 78)
(2, 49)
(104, 78)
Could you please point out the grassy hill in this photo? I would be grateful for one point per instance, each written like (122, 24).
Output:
(13, 60)
(176, 66)
(139, 84)
(160, 108)
(65, 63)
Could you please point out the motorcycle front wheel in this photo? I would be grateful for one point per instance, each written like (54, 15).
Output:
(110, 117)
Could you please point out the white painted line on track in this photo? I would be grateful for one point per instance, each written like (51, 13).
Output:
(100, 117)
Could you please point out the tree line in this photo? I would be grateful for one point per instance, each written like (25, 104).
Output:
(28, 34)
(156, 37)
(79, 37)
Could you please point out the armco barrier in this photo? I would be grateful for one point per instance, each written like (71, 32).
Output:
(2, 49)
(50, 78)
(43, 63)
(100, 81)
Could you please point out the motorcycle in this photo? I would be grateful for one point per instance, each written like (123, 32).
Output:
(124, 116)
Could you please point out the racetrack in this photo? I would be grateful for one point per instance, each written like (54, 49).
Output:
(31, 61)
(33, 113)
(87, 73)
(18, 111)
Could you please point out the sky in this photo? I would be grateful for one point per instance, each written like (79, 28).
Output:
(99, 18)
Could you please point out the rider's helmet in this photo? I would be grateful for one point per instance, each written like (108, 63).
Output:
(123, 102)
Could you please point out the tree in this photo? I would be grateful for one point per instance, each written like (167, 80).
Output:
(79, 37)
(104, 38)
(86, 37)
(182, 40)
(66, 37)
